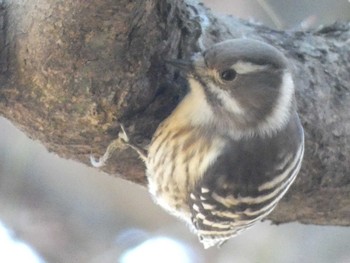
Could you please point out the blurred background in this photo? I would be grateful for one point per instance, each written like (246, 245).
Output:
(56, 210)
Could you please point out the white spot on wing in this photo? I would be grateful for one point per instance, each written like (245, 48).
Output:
(226, 214)
(200, 216)
(215, 224)
(281, 177)
(208, 206)
(227, 201)
(195, 207)
(205, 190)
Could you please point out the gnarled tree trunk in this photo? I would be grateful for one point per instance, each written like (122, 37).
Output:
(71, 71)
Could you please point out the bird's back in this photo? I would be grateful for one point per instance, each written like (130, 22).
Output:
(246, 182)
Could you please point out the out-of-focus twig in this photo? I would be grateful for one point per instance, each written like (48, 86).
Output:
(271, 13)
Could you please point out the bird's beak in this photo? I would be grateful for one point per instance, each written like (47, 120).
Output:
(184, 65)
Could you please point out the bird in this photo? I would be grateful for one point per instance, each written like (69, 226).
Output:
(232, 147)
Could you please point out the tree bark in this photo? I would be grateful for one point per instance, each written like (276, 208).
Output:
(72, 71)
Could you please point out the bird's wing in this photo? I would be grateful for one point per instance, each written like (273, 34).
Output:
(240, 189)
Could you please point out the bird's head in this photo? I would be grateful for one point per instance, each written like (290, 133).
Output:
(247, 85)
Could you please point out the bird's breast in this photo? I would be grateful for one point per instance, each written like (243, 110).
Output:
(177, 159)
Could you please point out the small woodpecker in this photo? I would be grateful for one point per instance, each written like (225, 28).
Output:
(233, 146)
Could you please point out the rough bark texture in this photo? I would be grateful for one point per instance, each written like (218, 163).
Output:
(71, 71)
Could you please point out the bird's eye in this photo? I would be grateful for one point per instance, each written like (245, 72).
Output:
(228, 74)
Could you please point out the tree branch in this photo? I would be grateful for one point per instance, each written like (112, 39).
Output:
(71, 71)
